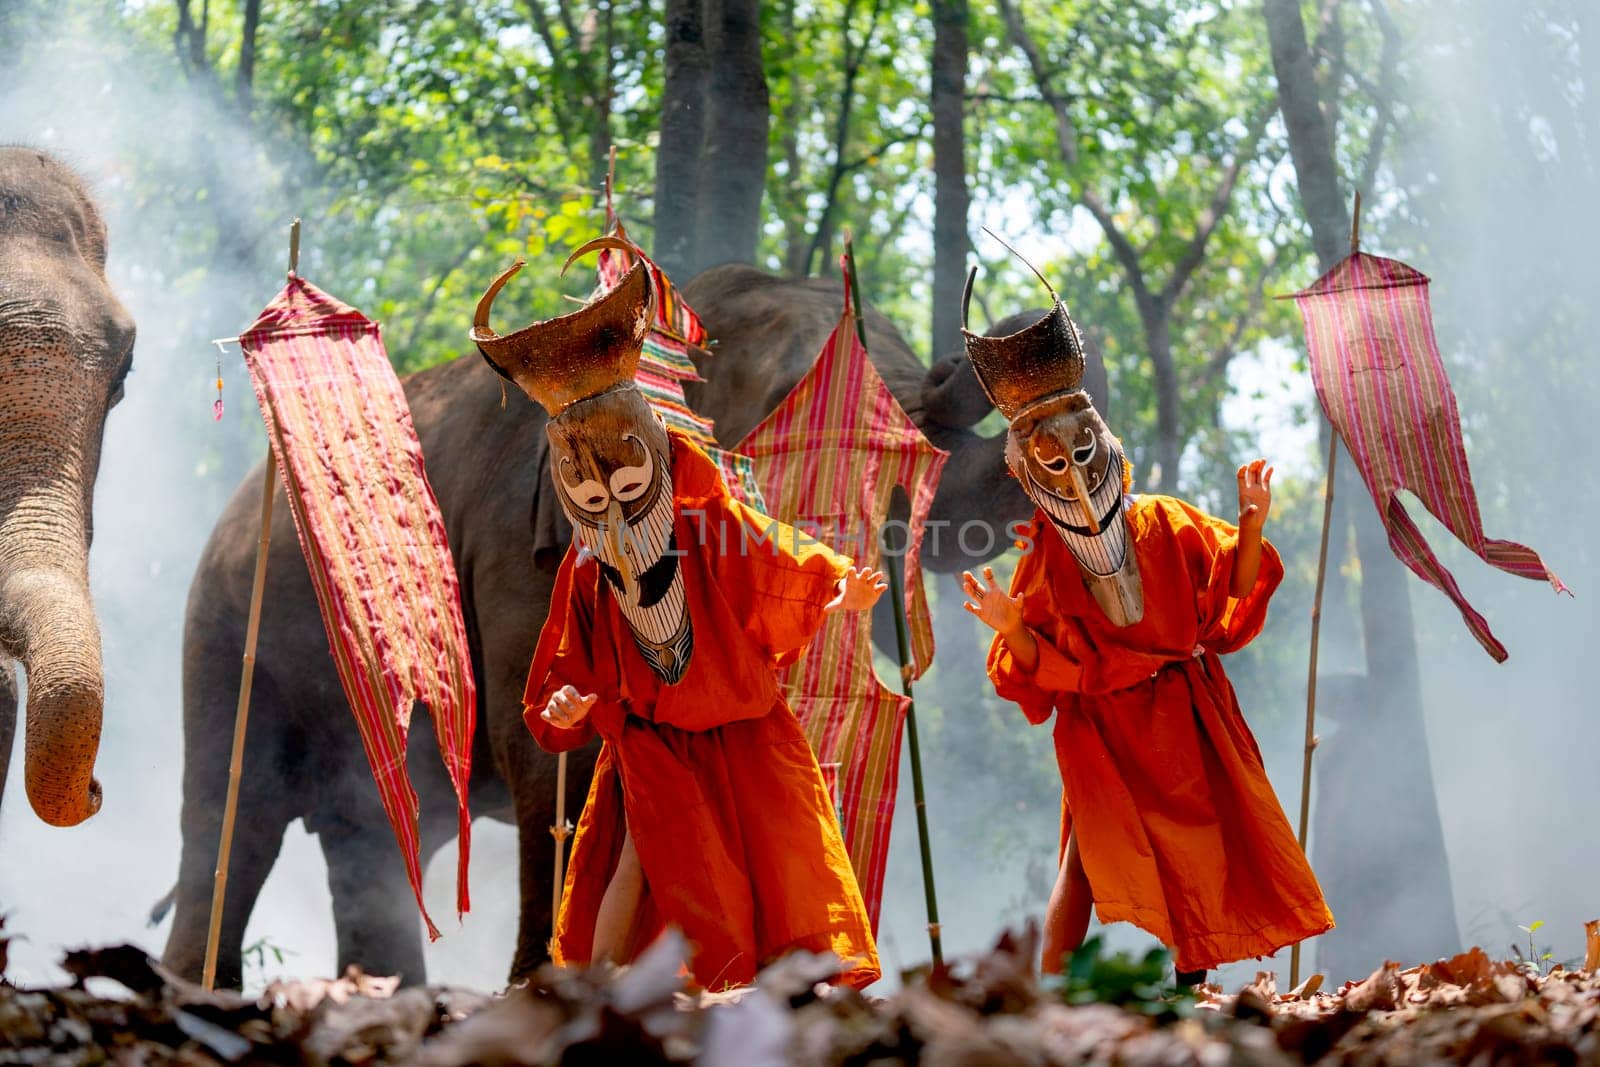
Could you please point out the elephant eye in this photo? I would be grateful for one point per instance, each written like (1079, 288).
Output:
(119, 386)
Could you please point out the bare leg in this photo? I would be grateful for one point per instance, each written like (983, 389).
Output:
(1066, 920)
(619, 908)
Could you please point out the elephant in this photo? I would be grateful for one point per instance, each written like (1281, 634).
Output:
(66, 345)
(486, 460)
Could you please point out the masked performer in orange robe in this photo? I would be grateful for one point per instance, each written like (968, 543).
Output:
(672, 612)
(1116, 618)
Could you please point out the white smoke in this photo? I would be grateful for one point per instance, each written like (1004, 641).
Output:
(197, 209)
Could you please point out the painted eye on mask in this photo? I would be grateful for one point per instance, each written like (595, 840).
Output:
(1055, 465)
(630, 483)
(1084, 453)
(589, 495)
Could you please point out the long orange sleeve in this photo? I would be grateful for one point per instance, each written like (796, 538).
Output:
(564, 656)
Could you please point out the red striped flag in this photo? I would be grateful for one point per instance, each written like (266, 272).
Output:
(664, 363)
(1376, 366)
(374, 542)
(828, 460)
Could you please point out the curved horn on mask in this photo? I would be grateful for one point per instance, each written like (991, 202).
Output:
(480, 317)
(1048, 287)
(595, 244)
(966, 294)
(619, 244)
(481, 330)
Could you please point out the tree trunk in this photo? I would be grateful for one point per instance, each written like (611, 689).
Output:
(1409, 912)
(600, 136)
(733, 164)
(246, 77)
(1169, 441)
(950, 236)
(683, 109)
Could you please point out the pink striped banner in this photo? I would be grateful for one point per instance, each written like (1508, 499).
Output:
(829, 459)
(374, 542)
(664, 364)
(1380, 379)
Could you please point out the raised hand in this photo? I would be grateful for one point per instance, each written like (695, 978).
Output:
(997, 609)
(1255, 494)
(859, 589)
(567, 707)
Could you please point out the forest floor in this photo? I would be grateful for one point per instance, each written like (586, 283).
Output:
(991, 1009)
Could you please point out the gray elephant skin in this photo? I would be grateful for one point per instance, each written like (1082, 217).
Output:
(66, 345)
(488, 467)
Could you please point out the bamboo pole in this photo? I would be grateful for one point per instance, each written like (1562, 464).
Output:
(897, 592)
(1311, 679)
(560, 831)
(1316, 616)
(219, 884)
(241, 717)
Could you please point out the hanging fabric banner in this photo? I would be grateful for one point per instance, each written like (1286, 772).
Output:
(664, 365)
(374, 542)
(1382, 384)
(829, 459)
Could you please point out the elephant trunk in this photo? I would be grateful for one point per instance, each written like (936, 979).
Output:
(59, 645)
(46, 618)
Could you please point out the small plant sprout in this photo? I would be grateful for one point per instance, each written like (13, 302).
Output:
(1536, 961)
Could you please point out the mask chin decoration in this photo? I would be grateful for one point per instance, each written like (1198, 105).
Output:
(609, 454)
(1061, 450)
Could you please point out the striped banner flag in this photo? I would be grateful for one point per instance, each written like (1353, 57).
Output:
(664, 363)
(374, 542)
(1379, 377)
(829, 459)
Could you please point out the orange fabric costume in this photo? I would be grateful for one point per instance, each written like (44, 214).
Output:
(1177, 825)
(734, 828)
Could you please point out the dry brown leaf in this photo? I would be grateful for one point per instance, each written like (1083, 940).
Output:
(1307, 989)
(1381, 991)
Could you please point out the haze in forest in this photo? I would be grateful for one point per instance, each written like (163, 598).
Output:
(1489, 185)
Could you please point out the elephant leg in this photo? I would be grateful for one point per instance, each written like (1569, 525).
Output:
(266, 807)
(374, 910)
(8, 720)
(257, 837)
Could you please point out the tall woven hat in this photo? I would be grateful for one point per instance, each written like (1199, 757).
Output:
(1037, 362)
(593, 350)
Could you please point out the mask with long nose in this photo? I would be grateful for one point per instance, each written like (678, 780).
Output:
(1061, 451)
(610, 458)
(613, 474)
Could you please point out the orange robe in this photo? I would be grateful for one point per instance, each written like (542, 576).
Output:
(1177, 825)
(734, 827)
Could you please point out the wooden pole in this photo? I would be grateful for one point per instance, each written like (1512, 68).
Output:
(560, 831)
(1311, 678)
(897, 593)
(241, 715)
(219, 885)
(1316, 618)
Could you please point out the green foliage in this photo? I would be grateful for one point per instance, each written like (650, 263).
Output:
(254, 959)
(429, 144)
(1137, 983)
